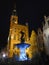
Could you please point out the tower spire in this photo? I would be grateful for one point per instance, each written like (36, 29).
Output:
(14, 10)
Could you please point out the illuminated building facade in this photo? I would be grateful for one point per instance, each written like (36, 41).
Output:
(46, 34)
(14, 37)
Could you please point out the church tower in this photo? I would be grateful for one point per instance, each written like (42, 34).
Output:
(19, 33)
(12, 35)
(15, 34)
(14, 17)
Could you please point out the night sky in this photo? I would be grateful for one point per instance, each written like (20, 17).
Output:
(31, 11)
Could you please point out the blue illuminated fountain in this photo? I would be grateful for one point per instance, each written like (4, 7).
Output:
(22, 46)
(23, 56)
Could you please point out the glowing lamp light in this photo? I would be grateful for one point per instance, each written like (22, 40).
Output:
(12, 36)
(4, 55)
(15, 22)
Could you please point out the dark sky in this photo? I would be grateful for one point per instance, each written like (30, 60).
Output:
(31, 11)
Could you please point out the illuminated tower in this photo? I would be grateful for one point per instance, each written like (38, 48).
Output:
(16, 32)
(15, 35)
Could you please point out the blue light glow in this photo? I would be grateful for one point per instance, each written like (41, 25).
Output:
(22, 47)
